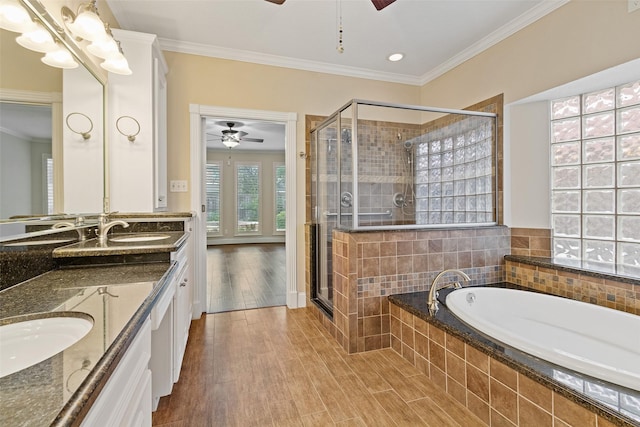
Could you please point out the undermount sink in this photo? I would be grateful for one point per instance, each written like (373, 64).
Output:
(139, 238)
(38, 242)
(31, 339)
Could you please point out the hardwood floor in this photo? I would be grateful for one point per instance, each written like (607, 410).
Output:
(278, 367)
(245, 276)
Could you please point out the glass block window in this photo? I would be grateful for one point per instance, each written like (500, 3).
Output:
(280, 196)
(248, 198)
(454, 173)
(595, 176)
(213, 186)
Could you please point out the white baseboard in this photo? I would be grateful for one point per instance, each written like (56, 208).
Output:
(213, 241)
(296, 299)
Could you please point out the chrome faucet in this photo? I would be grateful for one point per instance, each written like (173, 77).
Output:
(104, 226)
(68, 224)
(432, 299)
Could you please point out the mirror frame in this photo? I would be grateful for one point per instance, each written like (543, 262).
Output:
(40, 12)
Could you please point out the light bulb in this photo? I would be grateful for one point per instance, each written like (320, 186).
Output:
(60, 58)
(39, 39)
(230, 142)
(14, 17)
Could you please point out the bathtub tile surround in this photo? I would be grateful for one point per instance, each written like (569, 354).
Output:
(369, 266)
(501, 386)
(531, 242)
(548, 276)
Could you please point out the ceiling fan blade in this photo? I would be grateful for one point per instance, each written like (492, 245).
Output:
(252, 139)
(276, 1)
(379, 4)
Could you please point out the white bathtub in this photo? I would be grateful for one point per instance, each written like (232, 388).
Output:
(587, 338)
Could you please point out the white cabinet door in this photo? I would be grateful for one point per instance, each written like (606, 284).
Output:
(127, 395)
(137, 103)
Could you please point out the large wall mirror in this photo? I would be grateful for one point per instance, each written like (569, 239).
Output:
(48, 168)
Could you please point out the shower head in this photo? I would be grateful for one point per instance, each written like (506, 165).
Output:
(408, 145)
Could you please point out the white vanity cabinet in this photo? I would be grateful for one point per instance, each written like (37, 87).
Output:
(182, 307)
(125, 399)
(137, 107)
(170, 322)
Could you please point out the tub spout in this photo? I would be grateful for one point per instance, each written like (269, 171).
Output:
(432, 299)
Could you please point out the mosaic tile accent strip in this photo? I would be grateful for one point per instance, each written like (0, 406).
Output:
(582, 287)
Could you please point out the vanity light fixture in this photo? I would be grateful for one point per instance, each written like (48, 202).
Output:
(59, 58)
(117, 63)
(395, 57)
(104, 47)
(14, 17)
(38, 39)
(86, 24)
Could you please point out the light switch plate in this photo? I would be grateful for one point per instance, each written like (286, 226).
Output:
(178, 186)
(634, 5)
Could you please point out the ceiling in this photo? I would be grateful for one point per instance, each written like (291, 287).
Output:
(434, 35)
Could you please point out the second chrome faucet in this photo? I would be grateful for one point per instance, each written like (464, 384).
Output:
(104, 225)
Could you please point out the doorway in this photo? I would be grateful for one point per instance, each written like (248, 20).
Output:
(198, 115)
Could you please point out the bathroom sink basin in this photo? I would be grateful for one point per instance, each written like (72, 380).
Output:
(28, 340)
(139, 238)
(38, 242)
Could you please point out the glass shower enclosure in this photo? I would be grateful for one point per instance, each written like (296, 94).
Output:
(382, 166)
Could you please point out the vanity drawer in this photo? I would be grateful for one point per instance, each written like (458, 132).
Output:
(159, 310)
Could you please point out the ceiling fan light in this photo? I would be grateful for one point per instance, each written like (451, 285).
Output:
(60, 58)
(14, 17)
(38, 40)
(230, 142)
(117, 64)
(395, 57)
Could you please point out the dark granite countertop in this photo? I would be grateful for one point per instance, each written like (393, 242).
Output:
(619, 273)
(569, 383)
(60, 390)
(93, 248)
(152, 215)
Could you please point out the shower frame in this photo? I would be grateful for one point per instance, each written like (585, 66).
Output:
(355, 225)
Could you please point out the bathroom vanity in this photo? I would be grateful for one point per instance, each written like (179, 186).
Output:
(137, 289)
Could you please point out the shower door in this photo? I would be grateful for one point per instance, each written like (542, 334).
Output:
(324, 196)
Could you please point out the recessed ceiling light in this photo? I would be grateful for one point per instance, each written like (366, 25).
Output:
(394, 57)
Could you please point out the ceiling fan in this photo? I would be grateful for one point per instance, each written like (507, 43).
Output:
(379, 4)
(232, 137)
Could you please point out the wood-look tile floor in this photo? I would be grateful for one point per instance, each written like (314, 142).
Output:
(278, 367)
(245, 276)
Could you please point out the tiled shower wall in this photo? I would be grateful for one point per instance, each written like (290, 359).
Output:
(369, 266)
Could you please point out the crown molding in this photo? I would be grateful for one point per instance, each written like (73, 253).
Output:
(481, 45)
(282, 61)
(495, 37)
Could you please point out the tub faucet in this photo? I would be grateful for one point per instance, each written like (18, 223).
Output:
(104, 226)
(432, 299)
